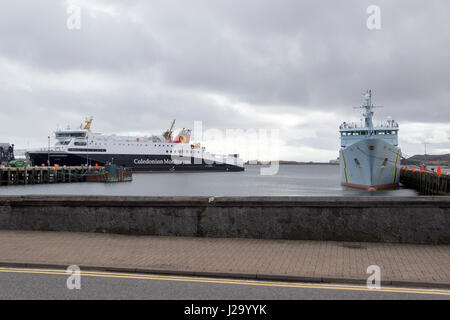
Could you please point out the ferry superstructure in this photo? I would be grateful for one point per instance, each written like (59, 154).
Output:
(148, 153)
(369, 155)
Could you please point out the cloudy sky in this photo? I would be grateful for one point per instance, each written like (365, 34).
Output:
(298, 67)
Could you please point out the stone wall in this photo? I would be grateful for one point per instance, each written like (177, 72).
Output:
(369, 219)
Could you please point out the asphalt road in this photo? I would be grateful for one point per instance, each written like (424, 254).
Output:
(52, 284)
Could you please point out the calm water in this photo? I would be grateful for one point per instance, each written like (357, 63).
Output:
(291, 180)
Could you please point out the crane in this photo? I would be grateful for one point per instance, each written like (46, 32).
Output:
(88, 123)
(168, 133)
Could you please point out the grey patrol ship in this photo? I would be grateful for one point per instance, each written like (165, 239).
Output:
(369, 155)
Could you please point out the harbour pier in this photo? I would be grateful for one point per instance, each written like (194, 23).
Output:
(426, 182)
(44, 175)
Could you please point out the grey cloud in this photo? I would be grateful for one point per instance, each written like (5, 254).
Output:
(278, 56)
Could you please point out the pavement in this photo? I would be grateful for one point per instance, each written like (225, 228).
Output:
(281, 260)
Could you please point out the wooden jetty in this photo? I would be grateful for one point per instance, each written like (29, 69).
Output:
(426, 182)
(110, 174)
(42, 175)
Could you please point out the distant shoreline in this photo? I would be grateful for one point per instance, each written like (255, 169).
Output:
(261, 163)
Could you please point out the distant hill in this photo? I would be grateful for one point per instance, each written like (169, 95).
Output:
(430, 159)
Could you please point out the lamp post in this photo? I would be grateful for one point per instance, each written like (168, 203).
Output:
(48, 152)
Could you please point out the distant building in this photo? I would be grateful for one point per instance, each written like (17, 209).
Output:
(335, 161)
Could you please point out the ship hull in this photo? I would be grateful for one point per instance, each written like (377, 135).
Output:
(370, 164)
(139, 162)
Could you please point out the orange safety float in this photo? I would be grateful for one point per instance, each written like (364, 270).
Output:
(421, 170)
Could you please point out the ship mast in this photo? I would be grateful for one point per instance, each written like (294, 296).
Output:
(368, 114)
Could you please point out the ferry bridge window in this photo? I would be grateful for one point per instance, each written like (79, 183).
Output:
(80, 143)
(71, 134)
(87, 150)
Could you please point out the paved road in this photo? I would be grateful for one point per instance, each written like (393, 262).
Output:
(52, 284)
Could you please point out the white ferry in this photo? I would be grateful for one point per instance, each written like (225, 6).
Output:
(148, 153)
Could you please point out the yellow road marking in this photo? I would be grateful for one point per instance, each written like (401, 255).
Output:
(229, 281)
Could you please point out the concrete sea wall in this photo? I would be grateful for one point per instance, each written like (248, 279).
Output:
(370, 219)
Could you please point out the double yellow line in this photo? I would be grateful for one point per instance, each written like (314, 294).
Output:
(229, 281)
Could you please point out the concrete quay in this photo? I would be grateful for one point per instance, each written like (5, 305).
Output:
(414, 220)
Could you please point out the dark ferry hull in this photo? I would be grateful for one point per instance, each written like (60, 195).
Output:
(143, 163)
